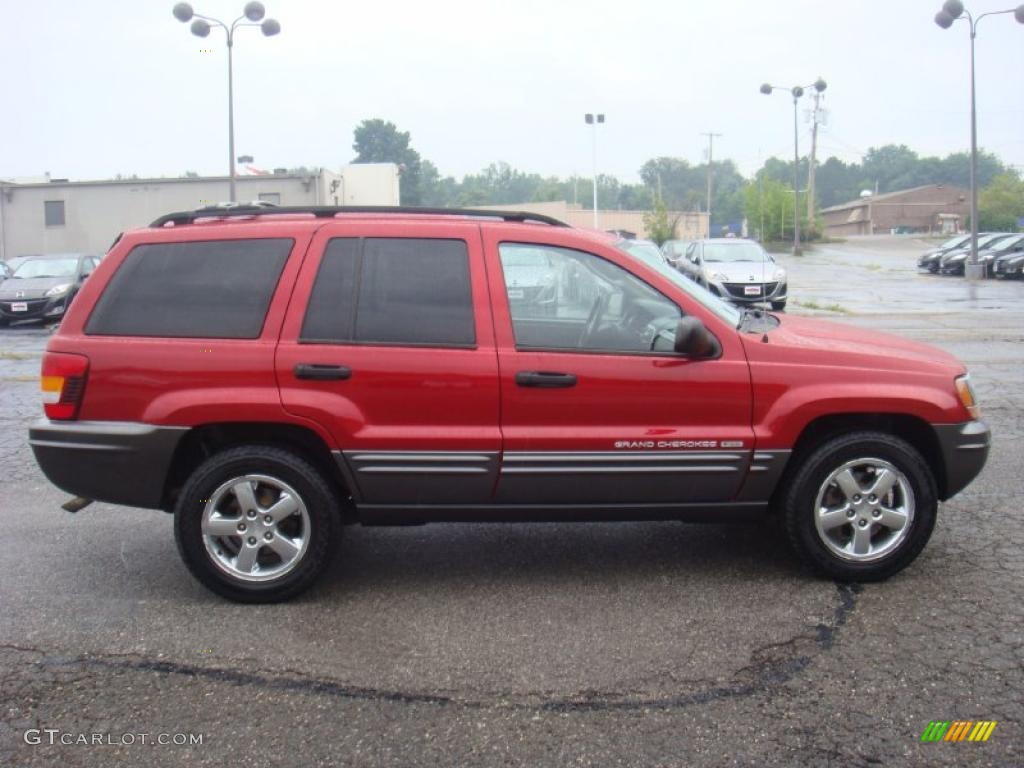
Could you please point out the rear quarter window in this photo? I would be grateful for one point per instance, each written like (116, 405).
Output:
(210, 289)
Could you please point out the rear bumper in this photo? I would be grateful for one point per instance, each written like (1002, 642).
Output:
(113, 461)
(965, 450)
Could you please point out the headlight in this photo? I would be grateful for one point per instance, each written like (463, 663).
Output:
(966, 393)
(719, 277)
(957, 257)
(779, 276)
(59, 290)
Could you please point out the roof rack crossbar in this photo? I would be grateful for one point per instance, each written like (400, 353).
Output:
(323, 211)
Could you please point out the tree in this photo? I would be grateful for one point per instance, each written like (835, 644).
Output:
(1001, 204)
(768, 205)
(377, 141)
(656, 222)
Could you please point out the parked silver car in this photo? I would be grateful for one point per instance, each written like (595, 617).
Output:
(736, 269)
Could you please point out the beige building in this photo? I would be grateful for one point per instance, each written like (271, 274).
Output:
(938, 208)
(689, 225)
(55, 216)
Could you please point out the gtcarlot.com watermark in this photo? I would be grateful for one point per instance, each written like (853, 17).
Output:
(55, 736)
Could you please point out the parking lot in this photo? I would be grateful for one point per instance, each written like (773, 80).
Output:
(607, 644)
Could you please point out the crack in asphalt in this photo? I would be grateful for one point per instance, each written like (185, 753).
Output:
(766, 674)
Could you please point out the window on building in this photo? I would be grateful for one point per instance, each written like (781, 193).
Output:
(392, 291)
(274, 198)
(53, 213)
(218, 289)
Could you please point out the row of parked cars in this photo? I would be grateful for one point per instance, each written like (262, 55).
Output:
(1002, 254)
(41, 287)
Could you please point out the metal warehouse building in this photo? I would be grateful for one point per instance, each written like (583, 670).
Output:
(59, 216)
(939, 208)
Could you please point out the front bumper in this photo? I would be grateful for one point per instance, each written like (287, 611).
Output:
(114, 461)
(34, 308)
(965, 450)
(1008, 268)
(737, 292)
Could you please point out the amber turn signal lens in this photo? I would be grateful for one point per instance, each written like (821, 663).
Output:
(966, 393)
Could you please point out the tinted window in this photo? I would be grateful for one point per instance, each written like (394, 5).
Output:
(218, 289)
(566, 299)
(330, 315)
(392, 291)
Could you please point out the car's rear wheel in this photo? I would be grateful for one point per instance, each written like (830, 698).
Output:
(861, 507)
(256, 524)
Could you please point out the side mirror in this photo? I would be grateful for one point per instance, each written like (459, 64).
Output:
(694, 340)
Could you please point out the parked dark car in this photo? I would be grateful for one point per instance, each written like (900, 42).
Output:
(737, 269)
(1009, 263)
(42, 287)
(1002, 247)
(953, 261)
(932, 258)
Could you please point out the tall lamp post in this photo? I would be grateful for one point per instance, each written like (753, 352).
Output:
(252, 16)
(952, 10)
(797, 91)
(593, 120)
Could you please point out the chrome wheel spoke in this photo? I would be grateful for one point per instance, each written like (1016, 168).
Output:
(860, 544)
(244, 494)
(833, 518)
(218, 525)
(848, 484)
(885, 479)
(285, 547)
(282, 508)
(896, 519)
(246, 557)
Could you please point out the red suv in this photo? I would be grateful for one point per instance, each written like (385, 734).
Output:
(269, 374)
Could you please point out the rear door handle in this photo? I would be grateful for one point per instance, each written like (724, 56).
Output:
(319, 372)
(545, 379)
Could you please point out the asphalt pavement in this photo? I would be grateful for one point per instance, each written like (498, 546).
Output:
(626, 644)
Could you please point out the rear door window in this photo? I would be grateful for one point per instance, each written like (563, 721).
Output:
(403, 291)
(212, 289)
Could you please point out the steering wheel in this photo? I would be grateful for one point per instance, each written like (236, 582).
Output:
(593, 320)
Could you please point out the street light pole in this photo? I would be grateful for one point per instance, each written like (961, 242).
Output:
(797, 91)
(593, 120)
(953, 10)
(254, 12)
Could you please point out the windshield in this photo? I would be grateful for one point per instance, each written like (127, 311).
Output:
(734, 252)
(953, 242)
(701, 295)
(1007, 244)
(46, 268)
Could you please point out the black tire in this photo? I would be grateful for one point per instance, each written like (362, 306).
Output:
(321, 506)
(4, 321)
(798, 501)
(778, 306)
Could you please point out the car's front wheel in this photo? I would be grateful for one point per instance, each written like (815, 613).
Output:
(256, 524)
(778, 306)
(861, 507)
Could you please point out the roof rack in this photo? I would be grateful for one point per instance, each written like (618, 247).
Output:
(328, 212)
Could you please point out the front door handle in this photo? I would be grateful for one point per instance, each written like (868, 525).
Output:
(545, 379)
(320, 372)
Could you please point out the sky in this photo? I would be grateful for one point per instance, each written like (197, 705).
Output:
(93, 89)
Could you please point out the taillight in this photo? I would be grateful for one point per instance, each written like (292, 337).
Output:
(63, 383)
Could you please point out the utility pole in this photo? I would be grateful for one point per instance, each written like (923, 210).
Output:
(711, 147)
(817, 118)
